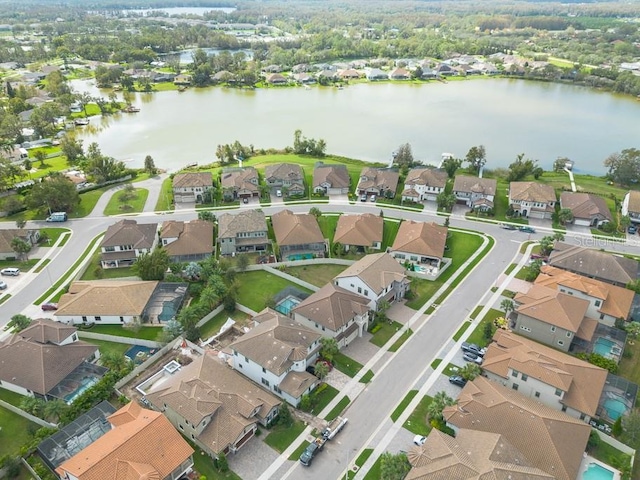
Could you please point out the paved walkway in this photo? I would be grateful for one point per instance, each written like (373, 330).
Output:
(153, 185)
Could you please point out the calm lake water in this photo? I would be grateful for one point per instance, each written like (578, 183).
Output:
(369, 121)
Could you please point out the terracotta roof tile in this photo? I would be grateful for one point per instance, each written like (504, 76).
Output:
(190, 180)
(194, 237)
(465, 183)
(130, 232)
(585, 205)
(552, 307)
(335, 175)
(430, 177)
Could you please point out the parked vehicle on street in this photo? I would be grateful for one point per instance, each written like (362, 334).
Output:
(57, 217)
(472, 357)
(473, 348)
(632, 229)
(11, 272)
(327, 434)
(457, 380)
(49, 306)
(507, 226)
(3, 285)
(527, 229)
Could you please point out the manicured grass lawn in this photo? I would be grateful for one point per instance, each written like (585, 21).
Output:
(213, 326)
(398, 343)
(374, 472)
(346, 365)
(389, 232)
(11, 397)
(94, 266)
(629, 366)
(298, 451)
(146, 333)
(318, 275)
(257, 288)
(450, 369)
(609, 454)
(522, 273)
(54, 164)
(417, 421)
(280, 437)
(54, 234)
(105, 346)
(165, 199)
(475, 312)
(362, 458)
(477, 336)
(461, 330)
(436, 363)
(387, 330)
(327, 225)
(88, 201)
(337, 410)
(324, 398)
(203, 464)
(402, 405)
(23, 266)
(14, 432)
(367, 377)
(117, 206)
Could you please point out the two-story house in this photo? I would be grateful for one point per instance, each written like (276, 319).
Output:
(588, 210)
(331, 179)
(191, 187)
(359, 232)
(532, 199)
(607, 303)
(378, 181)
(125, 241)
(238, 183)
(424, 184)
(476, 193)
(376, 277)
(245, 231)
(287, 175)
(631, 206)
(7, 235)
(187, 241)
(421, 243)
(213, 405)
(298, 235)
(275, 353)
(558, 380)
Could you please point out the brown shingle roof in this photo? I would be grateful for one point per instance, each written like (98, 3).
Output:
(382, 179)
(194, 237)
(40, 366)
(582, 381)
(229, 225)
(549, 439)
(332, 306)
(336, 175)
(361, 230)
(532, 192)
(106, 297)
(296, 229)
(46, 331)
(284, 171)
(421, 238)
(378, 271)
(129, 232)
(430, 177)
(296, 383)
(634, 201)
(465, 183)
(143, 445)
(585, 205)
(240, 179)
(7, 235)
(190, 180)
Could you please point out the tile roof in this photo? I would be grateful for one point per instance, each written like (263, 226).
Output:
(291, 172)
(471, 455)
(194, 237)
(634, 201)
(143, 445)
(230, 225)
(129, 232)
(296, 383)
(240, 179)
(106, 297)
(594, 263)
(39, 366)
(430, 177)
(361, 230)
(296, 229)
(553, 307)
(47, 331)
(332, 306)
(335, 175)
(465, 183)
(421, 238)
(585, 205)
(549, 439)
(616, 301)
(582, 381)
(532, 192)
(276, 344)
(190, 180)
(378, 271)
(382, 179)
(207, 388)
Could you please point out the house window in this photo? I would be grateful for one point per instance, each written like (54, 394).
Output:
(84, 319)
(239, 365)
(564, 408)
(265, 382)
(598, 303)
(264, 370)
(582, 415)
(181, 427)
(359, 289)
(602, 316)
(246, 359)
(74, 337)
(553, 329)
(98, 319)
(514, 386)
(366, 293)
(537, 394)
(558, 392)
(276, 389)
(121, 319)
(524, 377)
(193, 437)
(568, 334)
(561, 343)
(514, 373)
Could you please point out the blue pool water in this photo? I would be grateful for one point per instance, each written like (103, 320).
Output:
(85, 384)
(597, 472)
(300, 256)
(615, 408)
(138, 354)
(603, 346)
(286, 305)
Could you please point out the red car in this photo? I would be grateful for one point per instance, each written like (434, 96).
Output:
(49, 306)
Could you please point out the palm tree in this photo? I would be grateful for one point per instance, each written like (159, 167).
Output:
(32, 405)
(54, 410)
(565, 216)
(437, 405)
(321, 370)
(470, 371)
(507, 306)
(114, 361)
(329, 348)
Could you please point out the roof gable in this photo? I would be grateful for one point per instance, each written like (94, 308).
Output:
(361, 230)
(421, 238)
(532, 192)
(468, 184)
(296, 229)
(332, 307)
(129, 232)
(378, 271)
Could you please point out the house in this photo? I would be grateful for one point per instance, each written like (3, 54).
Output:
(223, 76)
(245, 231)
(239, 183)
(141, 444)
(558, 380)
(424, 184)
(7, 235)
(532, 199)
(119, 302)
(213, 405)
(420, 243)
(588, 210)
(191, 187)
(331, 179)
(475, 193)
(444, 70)
(285, 175)
(44, 360)
(359, 232)
(399, 74)
(606, 267)
(334, 312)
(276, 353)
(550, 440)
(182, 79)
(125, 241)
(631, 206)
(376, 277)
(376, 74)
(276, 79)
(472, 454)
(303, 78)
(298, 235)
(187, 241)
(378, 181)
(553, 318)
(607, 303)
(348, 74)
(77, 177)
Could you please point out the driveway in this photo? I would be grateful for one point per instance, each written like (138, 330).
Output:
(251, 460)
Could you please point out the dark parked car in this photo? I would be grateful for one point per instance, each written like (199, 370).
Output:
(526, 229)
(473, 348)
(49, 306)
(457, 380)
(632, 229)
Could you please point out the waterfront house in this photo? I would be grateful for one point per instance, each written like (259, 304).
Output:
(287, 175)
(532, 199)
(276, 79)
(631, 206)
(588, 210)
(30, 236)
(187, 241)
(420, 243)
(359, 232)
(474, 192)
(424, 184)
(298, 235)
(190, 187)
(245, 231)
(125, 241)
(376, 74)
(399, 74)
(238, 183)
(378, 181)
(331, 179)
(182, 79)
(348, 74)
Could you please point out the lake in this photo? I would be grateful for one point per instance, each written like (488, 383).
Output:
(369, 121)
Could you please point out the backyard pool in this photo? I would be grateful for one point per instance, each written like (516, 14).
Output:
(300, 256)
(605, 347)
(597, 472)
(615, 407)
(286, 305)
(138, 354)
(85, 384)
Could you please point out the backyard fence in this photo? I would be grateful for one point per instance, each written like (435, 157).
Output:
(28, 416)
(118, 339)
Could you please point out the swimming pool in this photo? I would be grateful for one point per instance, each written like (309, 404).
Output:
(300, 256)
(615, 407)
(286, 305)
(85, 384)
(597, 472)
(603, 346)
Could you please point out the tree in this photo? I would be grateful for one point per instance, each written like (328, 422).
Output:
(149, 165)
(9, 172)
(56, 192)
(315, 211)
(114, 361)
(21, 247)
(624, 167)
(394, 467)
(284, 415)
(32, 405)
(470, 371)
(565, 215)
(13, 204)
(476, 158)
(152, 266)
(632, 329)
(534, 270)
(321, 370)
(206, 215)
(171, 330)
(631, 429)
(223, 465)
(10, 465)
(41, 156)
(72, 149)
(445, 201)
(54, 410)
(329, 348)
(560, 163)
(521, 168)
(616, 430)
(451, 165)
(102, 167)
(242, 262)
(507, 305)
(19, 322)
(20, 223)
(438, 404)
(403, 156)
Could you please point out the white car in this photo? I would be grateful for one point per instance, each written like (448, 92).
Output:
(3, 285)
(278, 193)
(12, 272)
(419, 440)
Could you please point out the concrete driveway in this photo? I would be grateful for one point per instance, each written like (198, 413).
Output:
(253, 458)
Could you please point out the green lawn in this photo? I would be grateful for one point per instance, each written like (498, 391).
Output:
(145, 333)
(318, 275)
(417, 421)
(384, 334)
(389, 232)
(14, 432)
(367, 377)
(11, 397)
(328, 225)
(324, 398)
(213, 326)
(362, 458)
(117, 205)
(338, 409)
(295, 455)
(403, 404)
(346, 365)
(280, 437)
(95, 271)
(399, 342)
(165, 199)
(105, 346)
(461, 330)
(258, 288)
(88, 201)
(203, 464)
(522, 273)
(629, 366)
(54, 164)
(475, 312)
(450, 369)
(23, 266)
(374, 472)
(54, 233)
(477, 336)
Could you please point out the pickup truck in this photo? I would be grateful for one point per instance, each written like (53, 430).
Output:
(327, 434)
